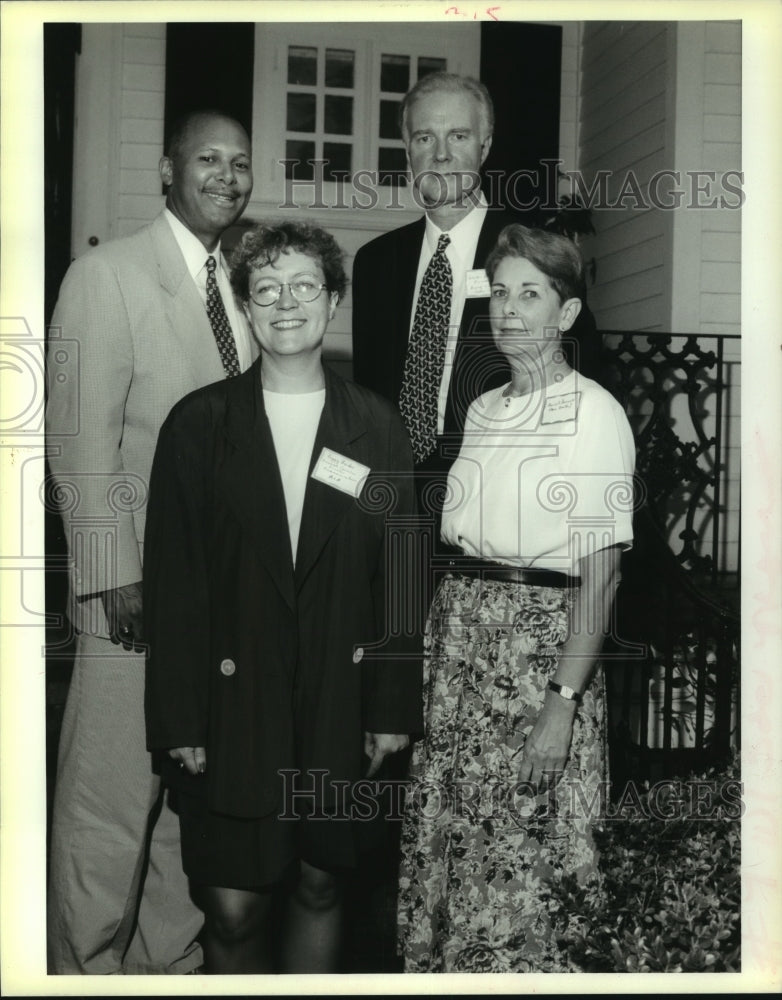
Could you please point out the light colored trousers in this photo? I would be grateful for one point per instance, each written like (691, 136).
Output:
(109, 911)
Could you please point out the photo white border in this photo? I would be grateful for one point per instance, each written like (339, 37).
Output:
(22, 677)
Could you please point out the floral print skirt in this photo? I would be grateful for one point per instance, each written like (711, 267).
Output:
(478, 846)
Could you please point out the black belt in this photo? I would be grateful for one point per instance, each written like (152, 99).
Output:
(482, 569)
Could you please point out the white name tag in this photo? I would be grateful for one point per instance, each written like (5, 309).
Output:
(560, 408)
(340, 472)
(478, 286)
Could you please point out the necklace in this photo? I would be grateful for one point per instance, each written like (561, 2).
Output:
(509, 395)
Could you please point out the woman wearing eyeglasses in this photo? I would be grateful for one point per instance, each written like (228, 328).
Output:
(265, 578)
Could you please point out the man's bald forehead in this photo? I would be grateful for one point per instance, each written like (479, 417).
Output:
(185, 126)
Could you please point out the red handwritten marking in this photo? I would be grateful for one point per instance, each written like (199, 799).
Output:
(462, 13)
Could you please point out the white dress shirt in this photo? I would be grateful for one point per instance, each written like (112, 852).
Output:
(195, 255)
(461, 254)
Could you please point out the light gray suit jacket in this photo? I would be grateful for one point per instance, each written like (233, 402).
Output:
(129, 338)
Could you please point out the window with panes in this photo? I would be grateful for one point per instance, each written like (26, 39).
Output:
(327, 99)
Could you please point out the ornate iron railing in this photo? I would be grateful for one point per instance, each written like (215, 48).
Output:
(672, 665)
(673, 388)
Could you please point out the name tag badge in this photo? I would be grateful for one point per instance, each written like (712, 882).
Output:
(478, 286)
(558, 409)
(340, 472)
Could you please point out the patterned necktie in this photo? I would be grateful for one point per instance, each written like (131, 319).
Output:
(426, 354)
(215, 310)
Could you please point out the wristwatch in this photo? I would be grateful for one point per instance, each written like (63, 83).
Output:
(565, 691)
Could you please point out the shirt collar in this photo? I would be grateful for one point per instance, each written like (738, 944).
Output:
(193, 250)
(464, 235)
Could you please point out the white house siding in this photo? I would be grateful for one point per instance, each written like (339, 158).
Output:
(623, 130)
(120, 79)
(141, 124)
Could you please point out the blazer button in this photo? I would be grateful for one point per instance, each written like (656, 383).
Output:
(358, 654)
(228, 668)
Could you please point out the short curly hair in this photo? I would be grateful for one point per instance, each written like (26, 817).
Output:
(556, 256)
(264, 243)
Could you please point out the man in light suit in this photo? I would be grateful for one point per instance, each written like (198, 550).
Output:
(447, 123)
(143, 321)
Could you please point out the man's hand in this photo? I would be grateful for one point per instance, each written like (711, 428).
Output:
(123, 611)
(192, 759)
(377, 746)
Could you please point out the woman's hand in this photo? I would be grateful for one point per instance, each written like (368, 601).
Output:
(377, 746)
(192, 759)
(547, 746)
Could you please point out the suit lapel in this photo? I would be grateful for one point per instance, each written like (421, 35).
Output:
(493, 225)
(185, 313)
(407, 254)
(406, 266)
(341, 425)
(252, 480)
(476, 310)
(477, 365)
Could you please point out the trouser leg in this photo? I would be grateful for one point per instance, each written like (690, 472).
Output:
(168, 920)
(104, 793)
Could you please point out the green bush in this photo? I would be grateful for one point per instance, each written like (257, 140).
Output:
(669, 892)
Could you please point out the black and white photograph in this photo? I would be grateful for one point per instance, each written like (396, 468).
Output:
(391, 445)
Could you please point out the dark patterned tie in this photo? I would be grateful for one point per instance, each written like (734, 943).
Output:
(215, 310)
(426, 353)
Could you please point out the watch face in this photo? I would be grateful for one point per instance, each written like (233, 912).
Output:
(564, 691)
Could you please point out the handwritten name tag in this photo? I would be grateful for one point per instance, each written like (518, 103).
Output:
(477, 286)
(340, 472)
(560, 408)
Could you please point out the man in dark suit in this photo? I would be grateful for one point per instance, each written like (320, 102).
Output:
(447, 123)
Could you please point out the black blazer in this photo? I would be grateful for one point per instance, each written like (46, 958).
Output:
(257, 662)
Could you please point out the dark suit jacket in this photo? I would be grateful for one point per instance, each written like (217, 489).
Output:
(249, 658)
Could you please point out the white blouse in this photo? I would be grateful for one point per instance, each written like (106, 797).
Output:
(294, 419)
(542, 479)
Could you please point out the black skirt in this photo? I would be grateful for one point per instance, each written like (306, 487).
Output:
(239, 853)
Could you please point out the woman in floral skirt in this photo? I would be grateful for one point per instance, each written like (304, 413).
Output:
(512, 770)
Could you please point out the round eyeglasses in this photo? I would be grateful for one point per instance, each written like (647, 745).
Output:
(266, 293)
